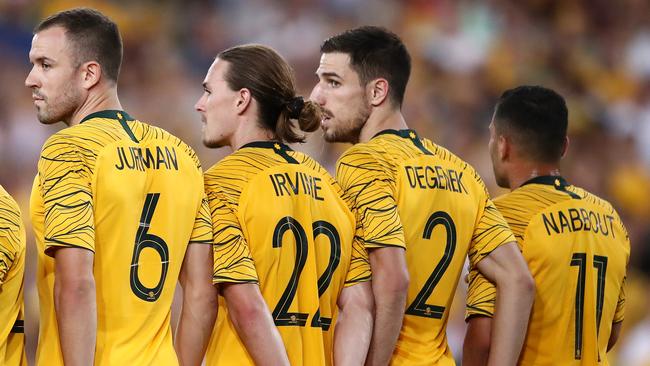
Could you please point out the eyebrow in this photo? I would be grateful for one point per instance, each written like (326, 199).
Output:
(329, 74)
(43, 58)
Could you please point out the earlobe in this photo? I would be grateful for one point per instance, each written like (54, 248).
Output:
(379, 91)
(91, 73)
(243, 100)
(565, 147)
(503, 146)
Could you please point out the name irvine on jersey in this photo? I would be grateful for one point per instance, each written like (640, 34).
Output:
(303, 183)
(578, 219)
(435, 177)
(137, 158)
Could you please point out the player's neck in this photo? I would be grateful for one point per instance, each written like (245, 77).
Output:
(527, 171)
(380, 120)
(96, 102)
(249, 132)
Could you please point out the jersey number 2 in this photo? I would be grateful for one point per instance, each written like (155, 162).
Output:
(144, 239)
(419, 307)
(281, 314)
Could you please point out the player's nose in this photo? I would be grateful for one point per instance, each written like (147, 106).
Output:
(316, 95)
(31, 80)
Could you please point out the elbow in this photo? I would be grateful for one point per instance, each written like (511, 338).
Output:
(74, 290)
(394, 282)
(249, 312)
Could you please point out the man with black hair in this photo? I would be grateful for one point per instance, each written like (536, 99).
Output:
(574, 242)
(420, 209)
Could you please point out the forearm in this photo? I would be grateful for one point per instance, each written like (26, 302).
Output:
(513, 305)
(261, 337)
(476, 347)
(389, 313)
(76, 315)
(195, 328)
(352, 335)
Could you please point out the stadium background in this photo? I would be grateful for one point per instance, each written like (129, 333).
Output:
(465, 53)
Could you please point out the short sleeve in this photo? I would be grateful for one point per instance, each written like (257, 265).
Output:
(66, 189)
(359, 264)
(619, 315)
(202, 231)
(369, 189)
(11, 235)
(481, 296)
(233, 262)
(490, 232)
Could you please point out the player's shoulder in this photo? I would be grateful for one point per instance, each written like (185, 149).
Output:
(8, 203)
(455, 162)
(592, 198)
(10, 218)
(149, 131)
(363, 153)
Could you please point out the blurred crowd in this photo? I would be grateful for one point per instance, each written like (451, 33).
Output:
(596, 53)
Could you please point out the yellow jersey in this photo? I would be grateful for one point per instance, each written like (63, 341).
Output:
(577, 250)
(12, 269)
(409, 192)
(133, 194)
(279, 220)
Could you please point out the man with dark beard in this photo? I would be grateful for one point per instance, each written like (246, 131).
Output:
(421, 209)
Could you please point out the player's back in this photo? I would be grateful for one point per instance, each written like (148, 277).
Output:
(131, 193)
(577, 250)
(299, 232)
(445, 214)
(12, 268)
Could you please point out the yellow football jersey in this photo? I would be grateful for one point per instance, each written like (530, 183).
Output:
(409, 192)
(279, 219)
(133, 194)
(577, 250)
(12, 268)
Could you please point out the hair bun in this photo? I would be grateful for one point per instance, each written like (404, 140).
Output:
(295, 106)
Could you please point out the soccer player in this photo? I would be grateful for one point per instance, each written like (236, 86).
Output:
(114, 205)
(574, 242)
(12, 268)
(421, 209)
(281, 228)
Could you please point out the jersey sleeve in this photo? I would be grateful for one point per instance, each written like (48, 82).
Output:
(370, 191)
(202, 231)
(481, 296)
(359, 264)
(233, 262)
(66, 189)
(619, 315)
(11, 236)
(490, 232)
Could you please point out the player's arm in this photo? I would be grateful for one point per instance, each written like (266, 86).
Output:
(476, 347)
(390, 281)
(236, 278)
(353, 329)
(66, 178)
(506, 267)
(369, 191)
(252, 319)
(618, 316)
(75, 304)
(199, 308)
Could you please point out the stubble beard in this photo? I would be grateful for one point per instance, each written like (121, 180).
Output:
(62, 108)
(350, 131)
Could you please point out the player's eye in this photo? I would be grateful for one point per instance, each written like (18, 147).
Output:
(45, 66)
(333, 83)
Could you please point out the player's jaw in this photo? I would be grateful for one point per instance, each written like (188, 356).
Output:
(344, 128)
(56, 108)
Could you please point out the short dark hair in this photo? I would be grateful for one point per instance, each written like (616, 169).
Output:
(375, 52)
(536, 118)
(271, 82)
(95, 37)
